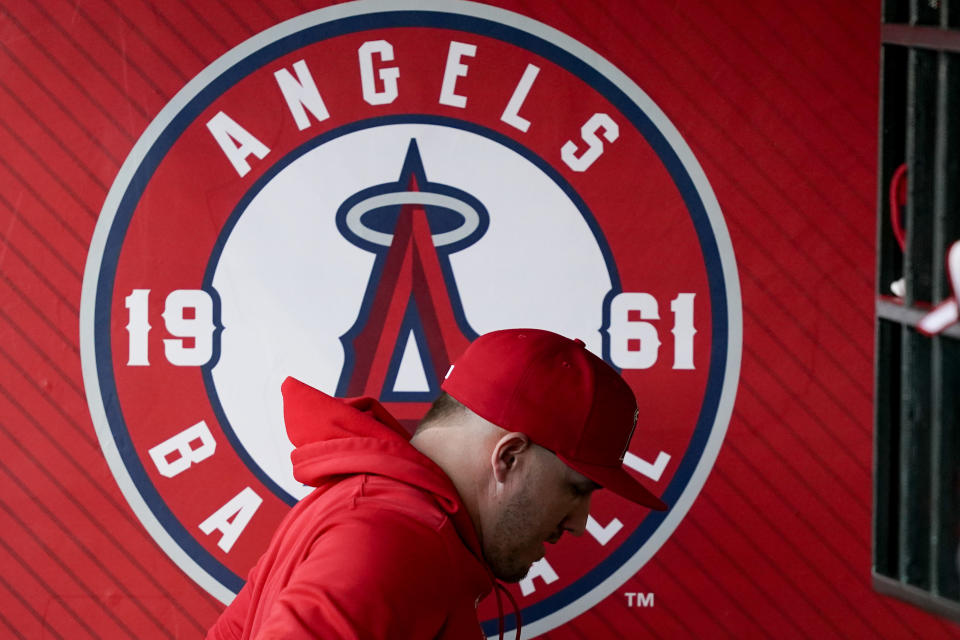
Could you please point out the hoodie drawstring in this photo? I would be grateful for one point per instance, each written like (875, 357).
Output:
(497, 588)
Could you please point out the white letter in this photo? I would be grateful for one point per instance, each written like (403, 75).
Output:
(187, 455)
(511, 115)
(453, 71)
(301, 92)
(540, 569)
(387, 75)
(236, 142)
(601, 534)
(652, 471)
(594, 144)
(633, 343)
(232, 518)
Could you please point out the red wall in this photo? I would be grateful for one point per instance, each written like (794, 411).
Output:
(778, 102)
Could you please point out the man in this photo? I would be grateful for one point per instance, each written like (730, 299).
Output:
(403, 537)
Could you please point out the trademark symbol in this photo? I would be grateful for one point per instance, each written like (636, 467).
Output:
(639, 599)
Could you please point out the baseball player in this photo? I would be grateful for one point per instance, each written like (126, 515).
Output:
(402, 536)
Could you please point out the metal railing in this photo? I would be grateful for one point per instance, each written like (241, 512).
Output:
(916, 526)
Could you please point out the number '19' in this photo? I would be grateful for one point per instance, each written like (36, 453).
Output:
(187, 316)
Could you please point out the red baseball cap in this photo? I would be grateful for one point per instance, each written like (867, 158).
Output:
(560, 395)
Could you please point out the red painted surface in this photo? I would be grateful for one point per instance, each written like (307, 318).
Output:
(778, 102)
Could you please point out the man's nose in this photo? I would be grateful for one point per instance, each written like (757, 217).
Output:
(576, 521)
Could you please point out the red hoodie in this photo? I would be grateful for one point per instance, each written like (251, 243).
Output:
(382, 548)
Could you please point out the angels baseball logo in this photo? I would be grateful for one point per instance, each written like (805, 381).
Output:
(350, 198)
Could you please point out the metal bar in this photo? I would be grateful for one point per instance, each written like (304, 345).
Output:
(914, 460)
(920, 146)
(909, 316)
(893, 81)
(945, 356)
(945, 414)
(918, 597)
(914, 452)
(886, 445)
(940, 194)
(920, 37)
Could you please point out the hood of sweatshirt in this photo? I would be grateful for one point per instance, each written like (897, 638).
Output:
(335, 437)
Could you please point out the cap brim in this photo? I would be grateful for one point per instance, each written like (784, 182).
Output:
(619, 480)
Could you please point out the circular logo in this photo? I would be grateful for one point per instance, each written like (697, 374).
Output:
(350, 198)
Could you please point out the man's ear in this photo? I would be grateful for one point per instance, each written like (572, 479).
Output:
(505, 454)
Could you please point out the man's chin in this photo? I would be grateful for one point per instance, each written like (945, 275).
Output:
(512, 578)
(513, 574)
(514, 565)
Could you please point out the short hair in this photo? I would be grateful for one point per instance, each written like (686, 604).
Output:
(442, 410)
